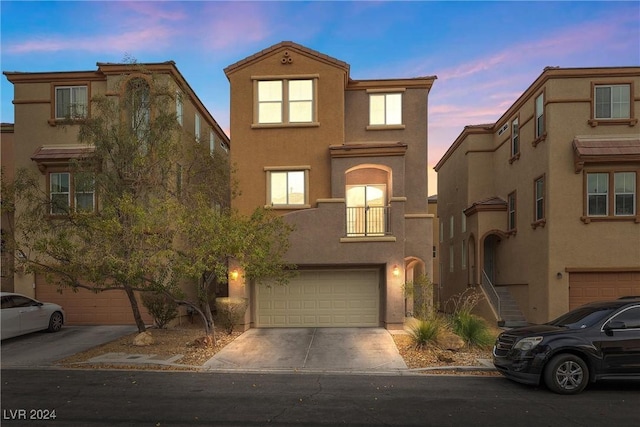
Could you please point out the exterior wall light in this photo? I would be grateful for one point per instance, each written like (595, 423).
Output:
(234, 274)
(396, 271)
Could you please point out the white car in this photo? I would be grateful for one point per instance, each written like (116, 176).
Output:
(23, 315)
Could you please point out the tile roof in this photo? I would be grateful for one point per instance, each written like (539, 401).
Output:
(605, 149)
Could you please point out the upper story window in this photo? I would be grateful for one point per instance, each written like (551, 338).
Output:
(611, 194)
(539, 202)
(612, 101)
(179, 108)
(451, 227)
(539, 116)
(287, 188)
(287, 101)
(71, 102)
(139, 106)
(197, 127)
(71, 192)
(515, 138)
(212, 142)
(385, 109)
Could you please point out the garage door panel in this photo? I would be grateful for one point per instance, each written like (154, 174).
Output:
(321, 298)
(598, 286)
(87, 308)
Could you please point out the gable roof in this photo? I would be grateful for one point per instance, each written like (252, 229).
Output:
(286, 45)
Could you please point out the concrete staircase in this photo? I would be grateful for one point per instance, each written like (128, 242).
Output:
(511, 314)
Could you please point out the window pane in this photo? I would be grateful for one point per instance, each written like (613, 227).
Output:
(597, 205)
(295, 188)
(279, 188)
(376, 109)
(300, 90)
(59, 182)
(394, 109)
(603, 102)
(63, 100)
(625, 193)
(597, 193)
(620, 102)
(270, 91)
(79, 101)
(301, 111)
(270, 112)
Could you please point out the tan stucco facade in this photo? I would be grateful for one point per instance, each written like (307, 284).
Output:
(480, 176)
(36, 127)
(337, 149)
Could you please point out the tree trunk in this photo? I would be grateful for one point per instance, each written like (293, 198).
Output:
(134, 307)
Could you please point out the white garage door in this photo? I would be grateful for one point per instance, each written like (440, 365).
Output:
(335, 298)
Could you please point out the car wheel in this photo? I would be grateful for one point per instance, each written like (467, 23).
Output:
(55, 322)
(566, 374)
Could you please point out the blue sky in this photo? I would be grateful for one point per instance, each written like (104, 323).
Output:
(485, 54)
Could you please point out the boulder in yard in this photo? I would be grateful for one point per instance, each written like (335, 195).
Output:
(450, 341)
(143, 339)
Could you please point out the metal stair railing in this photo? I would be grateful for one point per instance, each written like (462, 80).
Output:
(491, 293)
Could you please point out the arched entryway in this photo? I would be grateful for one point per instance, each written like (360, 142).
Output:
(419, 295)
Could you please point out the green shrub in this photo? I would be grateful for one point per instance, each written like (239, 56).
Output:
(426, 332)
(230, 311)
(162, 308)
(473, 329)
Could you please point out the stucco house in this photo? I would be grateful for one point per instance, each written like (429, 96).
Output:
(540, 208)
(345, 162)
(48, 108)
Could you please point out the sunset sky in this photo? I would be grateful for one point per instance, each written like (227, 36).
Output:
(485, 54)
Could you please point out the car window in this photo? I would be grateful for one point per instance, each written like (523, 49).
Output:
(19, 301)
(7, 302)
(630, 317)
(583, 317)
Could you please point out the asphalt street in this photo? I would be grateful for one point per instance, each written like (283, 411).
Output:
(146, 398)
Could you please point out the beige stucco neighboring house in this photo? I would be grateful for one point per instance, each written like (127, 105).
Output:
(345, 162)
(48, 108)
(540, 208)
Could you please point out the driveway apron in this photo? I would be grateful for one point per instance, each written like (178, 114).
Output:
(311, 349)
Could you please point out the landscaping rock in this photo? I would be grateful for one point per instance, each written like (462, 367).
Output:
(143, 339)
(450, 341)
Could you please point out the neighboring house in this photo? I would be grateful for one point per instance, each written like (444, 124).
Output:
(345, 162)
(6, 157)
(541, 207)
(44, 101)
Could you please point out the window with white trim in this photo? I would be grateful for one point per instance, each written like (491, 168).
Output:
(71, 192)
(539, 116)
(511, 221)
(539, 196)
(71, 102)
(285, 101)
(451, 261)
(515, 138)
(612, 101)
(611, 194)
(597, 194)
(179, 107)
(197, 127)
(385, 109)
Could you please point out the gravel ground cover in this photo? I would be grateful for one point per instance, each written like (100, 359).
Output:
(186, 340)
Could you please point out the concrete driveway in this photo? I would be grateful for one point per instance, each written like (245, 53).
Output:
(311, 349)
(41, 349)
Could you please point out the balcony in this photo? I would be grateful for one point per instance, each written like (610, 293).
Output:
(368, 221)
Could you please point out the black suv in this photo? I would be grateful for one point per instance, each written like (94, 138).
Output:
(594, 342)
